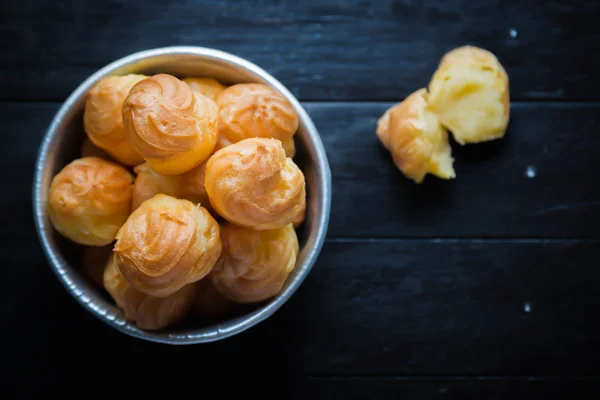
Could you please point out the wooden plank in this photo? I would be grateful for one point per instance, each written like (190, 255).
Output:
(26, 124)
(448, 308)
(320, 49)
(392, 307)
(347, 388)
(491, 197)
(448, 388)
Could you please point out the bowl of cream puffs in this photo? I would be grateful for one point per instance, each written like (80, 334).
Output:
(182, 194)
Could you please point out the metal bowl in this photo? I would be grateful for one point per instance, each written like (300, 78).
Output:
(61, 145)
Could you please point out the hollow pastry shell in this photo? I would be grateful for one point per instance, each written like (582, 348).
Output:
(188, 186)
(255, 110)
(253, 184)
(148, 312)
(208, 87)
(103, 120)
(89, 200)
(173, 128)
(166, 244)
(255, 264)
(416, 139)
(470, 93)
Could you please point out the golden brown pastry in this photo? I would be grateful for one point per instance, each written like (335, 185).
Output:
(249, 110)
(418, 142)
(253, 184)
(299, 220)
(469, 91)
(89, 149)
(188, 186)
(102, 118)
(166, 244)
(94, 261)
(173, 128)
(209, 303)
(148, 183)
(222, 142)
(148, 312)
(208, 87)
(255, 264)
(288, 145)
(89, 200)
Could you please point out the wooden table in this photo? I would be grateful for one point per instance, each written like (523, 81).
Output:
(482, 287)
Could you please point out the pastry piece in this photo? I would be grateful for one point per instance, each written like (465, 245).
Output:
(89, 200)
(253, 184)
(289, 146)
(148, 312)
(188, 186)
(418, 142)
(102, 118)
(148, 183)
(255, 110)
(222, 142)
(94, 261)
(469, 91)
(208, 87)
(166, 244)
(209, 303)
(89, 149)
(255, 264)
(173, 128)
(299, 220)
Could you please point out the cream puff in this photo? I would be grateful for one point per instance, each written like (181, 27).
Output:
(188, 186)
(148, 312)
(208, 87)
(166, 244)
(254, 265)
(416, 139)
(89, 200)
(299, 220)
(289, 145)
(253, 184)
(248, 110)
(102, 117)
(469, 92)
(173, 128)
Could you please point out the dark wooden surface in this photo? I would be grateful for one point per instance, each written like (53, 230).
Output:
(484, 287)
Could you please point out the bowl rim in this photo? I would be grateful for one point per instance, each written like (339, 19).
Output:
(212, 332)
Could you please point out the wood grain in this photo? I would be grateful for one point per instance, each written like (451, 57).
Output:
(491, 197)
(488, 388)
(347, 388)
(391, 307)
(483, 287)
(321, 50)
